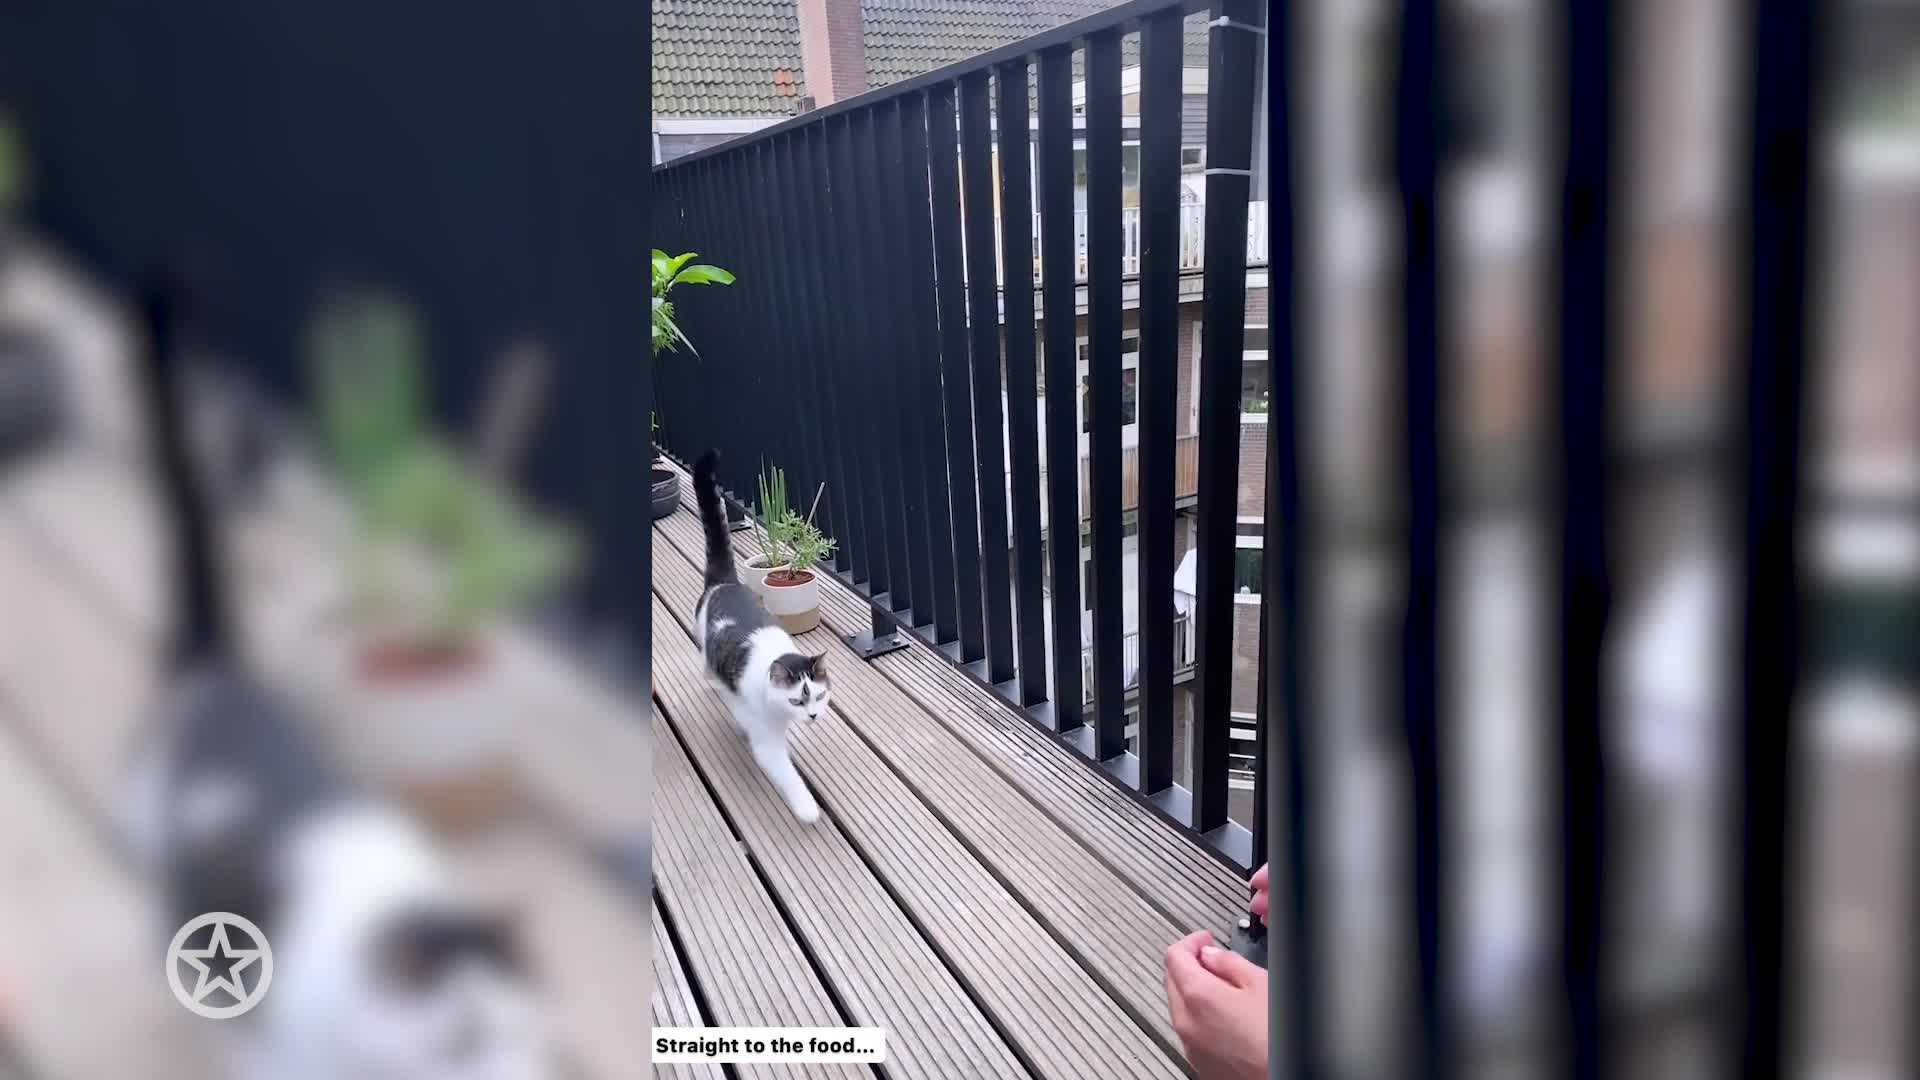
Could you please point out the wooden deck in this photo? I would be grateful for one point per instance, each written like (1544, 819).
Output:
(971, 887)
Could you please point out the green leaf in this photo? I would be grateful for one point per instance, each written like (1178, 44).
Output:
(703, 274)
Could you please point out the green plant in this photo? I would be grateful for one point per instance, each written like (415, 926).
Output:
(438, 549)
(786, 538)
(670, 271)
(806, 545)
(772, 515)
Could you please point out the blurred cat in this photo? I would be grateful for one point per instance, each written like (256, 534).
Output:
(381, 969)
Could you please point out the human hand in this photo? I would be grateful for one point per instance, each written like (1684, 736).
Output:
(1259, 904)
(1218, 1003)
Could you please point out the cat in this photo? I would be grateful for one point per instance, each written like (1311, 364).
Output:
(382, 970)
(767, 682)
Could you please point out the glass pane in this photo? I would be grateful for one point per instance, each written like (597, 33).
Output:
(1246, 570)
(1254, 386)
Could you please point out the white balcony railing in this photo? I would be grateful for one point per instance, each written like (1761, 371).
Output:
(1130, 649)
(1193, 231)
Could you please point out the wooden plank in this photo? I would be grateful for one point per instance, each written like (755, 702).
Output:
(83, 995)
(887, 975)
(79, 683)
(736, 946)
(1161, 865)
(941, 819)
(673, 1003)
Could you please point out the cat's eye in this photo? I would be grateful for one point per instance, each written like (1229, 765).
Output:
(795, 701)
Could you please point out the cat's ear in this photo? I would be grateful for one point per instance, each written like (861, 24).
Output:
(783, 674)
(817, 666)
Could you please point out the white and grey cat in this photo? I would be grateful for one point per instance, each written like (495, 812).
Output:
(768, 683)
(382, 969)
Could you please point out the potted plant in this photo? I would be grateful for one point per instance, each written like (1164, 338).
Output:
(791, 546)
(770, 525)
(665, 483)
(670, 272)
(439, 556)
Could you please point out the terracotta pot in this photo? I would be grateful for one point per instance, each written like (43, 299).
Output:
(434, 728)
(796, 605)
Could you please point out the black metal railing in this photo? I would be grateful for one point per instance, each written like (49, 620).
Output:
(873, 327)
(859, 356)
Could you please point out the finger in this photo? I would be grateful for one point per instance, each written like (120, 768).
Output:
(1260, 878)
(1183, 963)
(1231, 967)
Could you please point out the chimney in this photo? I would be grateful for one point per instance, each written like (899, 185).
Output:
(833, 48)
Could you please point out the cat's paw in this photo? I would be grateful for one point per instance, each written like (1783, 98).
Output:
(808, 814)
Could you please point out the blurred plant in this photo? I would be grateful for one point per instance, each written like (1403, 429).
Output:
(13, 168)
(439, 549)
(670, 271)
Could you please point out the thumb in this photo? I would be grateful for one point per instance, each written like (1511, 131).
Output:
(1231, 967)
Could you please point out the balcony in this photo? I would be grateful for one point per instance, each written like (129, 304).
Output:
(1193, 238)
(976, 757)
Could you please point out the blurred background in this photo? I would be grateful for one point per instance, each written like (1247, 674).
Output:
(1682, 100)
(396, 236)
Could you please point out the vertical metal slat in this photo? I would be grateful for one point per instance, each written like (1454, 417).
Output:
(1016, 244)
(1103, 398)
(944, 173)
(1063, 385)
(1162, 47)
(976, 181)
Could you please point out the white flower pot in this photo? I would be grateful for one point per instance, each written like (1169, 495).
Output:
(439, 738)
(795, 607)
(754, 576)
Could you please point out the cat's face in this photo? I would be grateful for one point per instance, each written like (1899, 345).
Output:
(798, 689)
(446, 1000)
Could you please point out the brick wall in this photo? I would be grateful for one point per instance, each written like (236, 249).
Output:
(1252, 501)
(833, 49)
(1257, 307)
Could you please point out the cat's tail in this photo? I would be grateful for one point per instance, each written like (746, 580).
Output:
(713, 521)
(200, 623)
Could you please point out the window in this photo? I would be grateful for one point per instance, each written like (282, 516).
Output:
(1255, 379)
(1249, 559)
(1192, 157)
(1129, 175)
(1129, 391)
(1243, 751)
(1247, 565)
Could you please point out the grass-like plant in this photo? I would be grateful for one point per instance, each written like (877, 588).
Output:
(670, 272)
(439, 549)
(771, 515)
